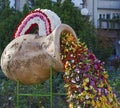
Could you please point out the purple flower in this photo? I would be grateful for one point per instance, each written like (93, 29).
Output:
(77, 78)
(87, 68)
(106, 92)
(92, 83)
(77, 70)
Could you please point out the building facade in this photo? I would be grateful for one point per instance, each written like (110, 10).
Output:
(19, 4)
(108, 11)
(100, 11)
(105, 15)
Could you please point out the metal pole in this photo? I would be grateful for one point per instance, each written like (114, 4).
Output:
(95, 12)
(51, 94)
(18, 84)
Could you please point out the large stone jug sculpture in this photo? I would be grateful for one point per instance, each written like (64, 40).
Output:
(28, 58)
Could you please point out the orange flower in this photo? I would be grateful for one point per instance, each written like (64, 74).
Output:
(71, 105)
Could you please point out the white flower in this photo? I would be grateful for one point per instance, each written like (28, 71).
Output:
(46, 20)
(79, 106)
(10, 98)
(86, 97)
(73, 81)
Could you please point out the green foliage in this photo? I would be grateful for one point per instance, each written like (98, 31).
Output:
(26, 9)
(104, 46)
(6, 12)
(43, 4)
(8, 94)
(4, 4)
(9, 20)
(114, 81)
(8, 25)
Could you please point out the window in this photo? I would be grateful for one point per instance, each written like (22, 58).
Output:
(30, 3)
(116, 15)
(103, 16)
(100, 16)
(107, 16)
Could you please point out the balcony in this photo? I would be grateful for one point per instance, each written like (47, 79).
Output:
(109, 20)
(109, 23)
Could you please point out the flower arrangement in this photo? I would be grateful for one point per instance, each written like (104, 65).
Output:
(42, 18)
(85, 79)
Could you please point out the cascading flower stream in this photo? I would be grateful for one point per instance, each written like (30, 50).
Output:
(85, 78)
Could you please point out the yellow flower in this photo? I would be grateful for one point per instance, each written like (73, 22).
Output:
(99, 93)
(91, 96)
(98, 104)
(93, 103)
(91, 87)
(94, 91)
(84, 84)
(106, 76)
(101, 84)
(71, 105)
(66, 85)
(88, 102)
(86, 88)
(86, 80)
(103, 98)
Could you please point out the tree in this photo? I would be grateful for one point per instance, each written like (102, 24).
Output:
(25, 11)
(5, 10)
(9, 19)
(43, 4)
(104, 47)
(4, 4)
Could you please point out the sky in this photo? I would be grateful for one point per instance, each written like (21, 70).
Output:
(76, 2)
(12, 2)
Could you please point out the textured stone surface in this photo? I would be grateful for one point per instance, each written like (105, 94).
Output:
(28, 58)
